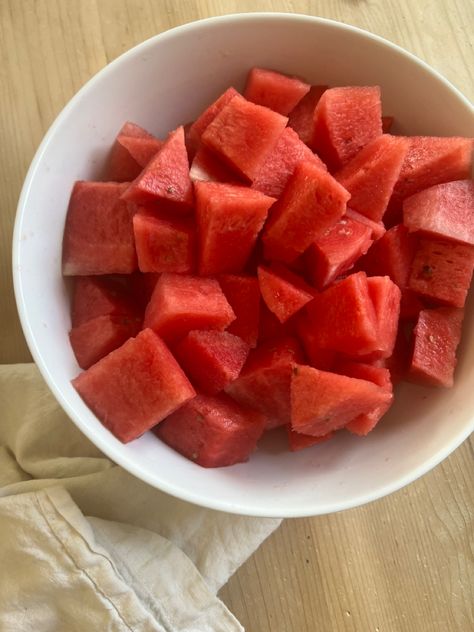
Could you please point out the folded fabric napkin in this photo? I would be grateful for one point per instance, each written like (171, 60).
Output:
(86, 546)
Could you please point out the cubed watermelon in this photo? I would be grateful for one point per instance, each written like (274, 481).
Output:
(322, 402)
(371, 174)
(134, 387)
(243, 133)
(165, 179)
(98, 236)
(229, 219)
(385, 295)
(264, 382)
(213, 431)
(164, 244)
(95, 338)
(343, 317)
(281, 163)
(346, 119)
(442, 271)
(318, 357)
(211, 359)
(312, 202)
(100, 296)
(243, 295)
(445, 210)
(197, 129)
(207, 167)
(180, 303)
(377, 228)
(131, 151)
(392, 255)
(337, 250)
(274, 90)
(284, 292)
(301, 118)
(298, 441)
(436, 338)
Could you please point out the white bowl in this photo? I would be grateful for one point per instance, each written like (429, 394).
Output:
(166, 81)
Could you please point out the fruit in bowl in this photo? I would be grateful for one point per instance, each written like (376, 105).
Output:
(339, 473)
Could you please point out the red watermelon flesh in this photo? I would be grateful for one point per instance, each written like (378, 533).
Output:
(436, 338)
(243, 134)
(134, 387)
(164, 245)
(445, 210)
(442, 271)
(281, 162)
(274, 90)
(97, 296)
(122, 164)
(385, 295)
(336, 251)
(410, 305)
(284, 292)
(97, 337)
(371, 174)
(298, 441)
(243, 295)
(141, 150)
(377, 228)
(213, 431)
(322, 402)
(343, 317)
(319, 358)
(380, 376)
(264, 382)
(142, 285)
(165, 179)
(387, 123)
(392, 255)
(207, 167)
(211, 359)
(270, 327)
(180, 303)
(199, 126)
(301, 118)
(229, 219)
(429, 160)
(346, 119)
(98, 236)
(312, 202)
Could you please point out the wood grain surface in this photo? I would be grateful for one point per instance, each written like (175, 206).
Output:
(401, 564)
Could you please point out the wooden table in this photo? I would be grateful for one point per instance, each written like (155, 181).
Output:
(402, 564)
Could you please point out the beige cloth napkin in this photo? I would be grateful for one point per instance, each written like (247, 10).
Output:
(86, 546)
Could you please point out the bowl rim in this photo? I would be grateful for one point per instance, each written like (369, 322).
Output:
(107, 448)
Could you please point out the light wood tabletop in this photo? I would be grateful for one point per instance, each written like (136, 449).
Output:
(402, 564)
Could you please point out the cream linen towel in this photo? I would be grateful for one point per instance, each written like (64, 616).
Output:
(141, 560)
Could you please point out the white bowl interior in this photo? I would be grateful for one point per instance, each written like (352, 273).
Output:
(160, 84)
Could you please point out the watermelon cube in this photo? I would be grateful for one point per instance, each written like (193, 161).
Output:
(371, 174)
(298, 441)
(242, 134)
(229, 219)
(165, 179)
(312, 202)
(100, 296)
(206, 166)
(445, 210)
(132, 150)
(163, 244)
(98, 236)
(243, 295)
(346, 119)
(213, 431)
(264, 382)
(284, 292)
(211, 359)
(385, 295)
(337, 250)
(180, 303)
(392, 255)
(429, 160)
(134, 387)
(301, 118)
(343, 317)
(318, 357)
(274, 90)
(380, 376)
(322, 402)
(280, 163)
(200, 125)
(442, 271)
(95, 338)
(377, 228)
(436, 338)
